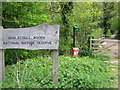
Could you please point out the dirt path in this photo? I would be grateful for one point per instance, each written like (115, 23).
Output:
(113, 53)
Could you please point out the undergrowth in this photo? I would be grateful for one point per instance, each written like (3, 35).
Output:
(78, 72)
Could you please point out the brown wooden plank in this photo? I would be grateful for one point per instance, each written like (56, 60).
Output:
(106, 47)
(96, 48)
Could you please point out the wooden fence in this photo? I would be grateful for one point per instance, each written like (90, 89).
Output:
(98, 45)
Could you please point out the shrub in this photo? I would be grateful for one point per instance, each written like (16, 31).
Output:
(102, 57)
(77, 72)
(22, 55)
(85, 51)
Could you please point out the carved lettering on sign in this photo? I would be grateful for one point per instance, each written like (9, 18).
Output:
(37, 37)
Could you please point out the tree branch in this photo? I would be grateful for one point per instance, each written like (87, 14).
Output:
(8, 20)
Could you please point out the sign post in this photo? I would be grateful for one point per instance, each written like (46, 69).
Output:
(1, 57)
(55, 66)
(75, 29)
(38, 37)
(74, 49)
(1, 64)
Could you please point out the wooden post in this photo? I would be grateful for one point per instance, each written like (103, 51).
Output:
(55, 66)
(90, 43)
(1, 65)
(1, 57)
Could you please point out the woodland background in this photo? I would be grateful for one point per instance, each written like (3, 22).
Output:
(94, 19)
(32, 69)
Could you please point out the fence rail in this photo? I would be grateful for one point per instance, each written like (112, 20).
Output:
(97, 45)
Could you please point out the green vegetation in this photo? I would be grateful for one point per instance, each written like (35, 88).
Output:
(82, 72)
(92, 18)
(102, 57)
(29, 69)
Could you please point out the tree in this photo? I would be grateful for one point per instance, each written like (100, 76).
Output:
(20, 15)
(107, 8)
(66, 32)
(23, 14)
(114, 20)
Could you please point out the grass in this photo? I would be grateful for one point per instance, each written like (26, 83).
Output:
(80, 72)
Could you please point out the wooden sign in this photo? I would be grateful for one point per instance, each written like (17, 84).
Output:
(37, 37)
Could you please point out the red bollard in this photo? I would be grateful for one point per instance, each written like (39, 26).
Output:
(75, 52)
